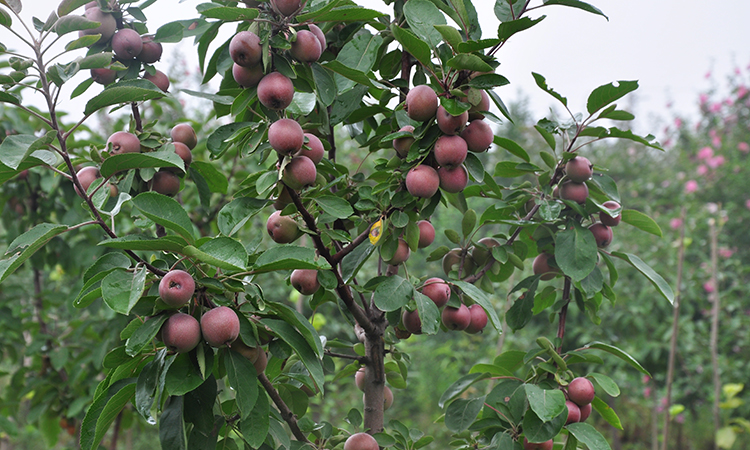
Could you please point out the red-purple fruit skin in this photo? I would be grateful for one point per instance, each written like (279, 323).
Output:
(602, 233)
(412, 322)
(482, 255)
(220, 326)
(299, 173)
(454, 179)
(576, 192)
(247, 77)
(608, 220)
(574, 412)
(184, 132)
(159, 78)
(86, 177)
(286, 136)
(475, 112)
(320, 35)
(402, 144)
(478, 319)
(106, 29)
(422, 181)
(181, 333)
(547, 445)
(275, 91)
(478, 136)
(359, 379)
(282, 229)
(456, 318)
(579, 169)
(581, 391)
(183, 151)
(151, 51)
(426, 233)
(402, 253)
(305, 281)
(245, 49)
(437, 290)
(166, 183)
(176, 288)
(123, 142)
(103, 76)
(313, 149)
(361, 441)
(450, 124)
(421, 103)
(127, 44)
(585, 411)
(540, 266)
(286, 7)
(307, 47)
(450, 151)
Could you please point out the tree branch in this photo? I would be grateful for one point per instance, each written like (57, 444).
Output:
(284, 410)
(563, 313)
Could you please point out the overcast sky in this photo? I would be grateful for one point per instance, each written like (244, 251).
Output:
(668, 45)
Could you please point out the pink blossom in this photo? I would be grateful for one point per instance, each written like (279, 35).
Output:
(680, 418)
(691, 186)
(716, 141)
(702, 170)
(709, 287)
(726, 252)
(715, 107)
(645, 379)
(743, 147)
(747, 203)
(728, 102)
(707, 75)
(705, 153)
(742, 91)
(677, 122)
(676, 223)
(715, 161)
(703, 98)
(737, 71)
(647, 392)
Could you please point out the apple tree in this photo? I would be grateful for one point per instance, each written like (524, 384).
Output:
(356, 126)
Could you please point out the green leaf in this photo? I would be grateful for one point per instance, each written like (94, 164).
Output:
(608, 413)
(512, 147)
(659, 283)
(483, 299)
(301, 323)
(537, 430)
(488, 81)
(128, 91)
(393, 293)
(68, 6)
(352, 262)
(335, 206)
(608, 93)
(183, 375)
(343, 14)
(5, 19)
(82, 42)
(588, 435)
(138, 242)
(69, 24)
(641, 221)
(469, 61)
(229, 14)
(289, 257)
(126, 161)
(308, 356)
(358, 56)
(428, 312)
(468, 222)
(575, 251)
(95, 61)
(106, 407)
(122, 289)
(620, 354)
(511, 27)
(148, 381)
(220, 99)
(460, 386)
(609, 386)
(462, 412)
(223, 252)
(255, 428)
(451, 35)
(542, 83)
(235, 214)
(26, 245)
(165, 211)
(357, 76)
(423, 17)
(546, 403)
(144, 334)
(14, 149)
(325, 84)
(243, 379)
(577, 4)
(172, 425)
(412, 44)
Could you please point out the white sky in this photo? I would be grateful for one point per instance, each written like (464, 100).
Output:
(668, 45)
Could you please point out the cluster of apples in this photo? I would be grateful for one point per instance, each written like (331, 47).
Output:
(471, 319)
(127, 45)
(579, 393)
(573, 188)
(166, 181)
(450, 149)
(218, 326)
